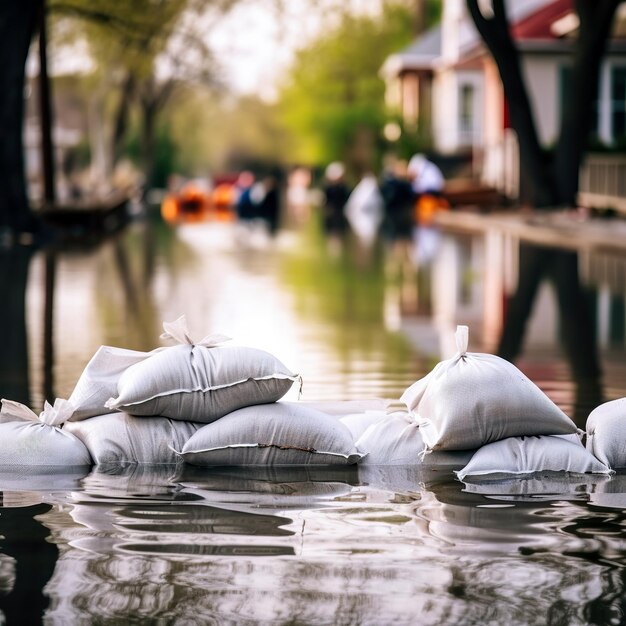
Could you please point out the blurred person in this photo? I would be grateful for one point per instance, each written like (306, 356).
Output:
(425, 176)
(269, 207)
(399, 200)
(244, 205)
(336, 194)
(398, 232)
(428, 182)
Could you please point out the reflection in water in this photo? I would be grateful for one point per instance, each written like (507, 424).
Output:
(14, 372)
(402, 545)
(390, 545)
(576, 323)
(24, 540)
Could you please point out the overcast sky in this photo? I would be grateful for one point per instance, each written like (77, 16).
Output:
(254, 43)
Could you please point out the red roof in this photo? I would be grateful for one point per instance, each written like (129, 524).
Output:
(538, 25)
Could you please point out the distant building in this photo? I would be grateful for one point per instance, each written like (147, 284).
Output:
(447, 81)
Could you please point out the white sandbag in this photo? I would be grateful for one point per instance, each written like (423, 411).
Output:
(200, 381)
(527, 455)
(272, 434)
(98, 382)
(474, 398)
(119, 438)
(394, 440)
(28, 439)
(358, 423)
(397, 440)
(606, 433)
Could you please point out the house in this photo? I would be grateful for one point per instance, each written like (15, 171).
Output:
(447, 81)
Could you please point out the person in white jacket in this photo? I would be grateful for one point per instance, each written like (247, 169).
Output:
(426, 180)
(426, 177)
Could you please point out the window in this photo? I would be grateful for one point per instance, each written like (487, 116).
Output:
(618, 103)
(466, 108)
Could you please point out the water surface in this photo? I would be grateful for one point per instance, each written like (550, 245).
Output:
(359, 545)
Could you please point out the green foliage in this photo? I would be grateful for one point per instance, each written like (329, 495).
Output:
(333, 97)
(145, 53)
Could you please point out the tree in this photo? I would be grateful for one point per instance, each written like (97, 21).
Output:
(17, 25)
(553, 175)
(143, 26)
(144, 54)
(333, 98)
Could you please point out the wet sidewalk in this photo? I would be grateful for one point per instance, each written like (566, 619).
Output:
(562, 229)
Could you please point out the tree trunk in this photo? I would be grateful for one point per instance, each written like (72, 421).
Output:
(554, 184)
(148, 142)
(14, 367)
(533, 159)
(17, 25)
(595, 28)
(121, 118)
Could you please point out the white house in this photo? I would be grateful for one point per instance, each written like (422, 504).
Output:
(447, 80)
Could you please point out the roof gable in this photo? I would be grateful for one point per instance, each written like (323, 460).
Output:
(539, 24)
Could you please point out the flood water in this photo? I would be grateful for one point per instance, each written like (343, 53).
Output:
(358, 545)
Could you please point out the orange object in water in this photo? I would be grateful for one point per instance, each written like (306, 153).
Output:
(169, 208)
(191, 204)
(427, 206)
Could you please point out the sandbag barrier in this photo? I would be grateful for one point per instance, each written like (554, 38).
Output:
(211, 404)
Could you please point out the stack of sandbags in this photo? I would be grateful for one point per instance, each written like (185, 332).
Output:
(480, 401)
(32, 440)
(204, 402)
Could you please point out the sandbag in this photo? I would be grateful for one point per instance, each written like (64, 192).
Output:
(98, 382)
(397, 440)
(358, 423)
(119, 438)
(606, 433)
(473, 399)
(527, 455)
(272, 434)
(28, 439)
(200, 381)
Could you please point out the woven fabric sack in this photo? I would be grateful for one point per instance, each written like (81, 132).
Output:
(119, 438)
(200, 381)
(272, 434)
(98, 382)
(527, 455)
(32, 440)
(396, 440)
(606, 433)
(474, 398)
(358, 423)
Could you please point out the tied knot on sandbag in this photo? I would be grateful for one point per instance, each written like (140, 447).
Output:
(179, 332)
(462, 340)
(52, 415)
